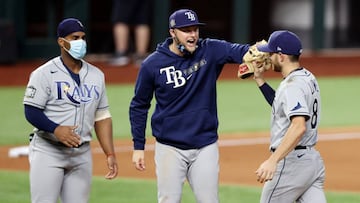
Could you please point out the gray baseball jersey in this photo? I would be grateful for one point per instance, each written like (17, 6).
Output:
(55, 167)
(52, 88)
(297, 94)
(300, 175)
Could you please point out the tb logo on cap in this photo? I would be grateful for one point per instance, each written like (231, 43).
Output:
(190, 16)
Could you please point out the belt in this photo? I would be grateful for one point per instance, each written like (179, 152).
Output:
(63, 145)
(56, 143)
(296, 148)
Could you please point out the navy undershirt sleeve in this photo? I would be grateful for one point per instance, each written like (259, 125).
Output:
(38, 119)
(268, 92)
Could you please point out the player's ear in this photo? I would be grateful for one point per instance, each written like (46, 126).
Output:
(172, 33)
(62, 43)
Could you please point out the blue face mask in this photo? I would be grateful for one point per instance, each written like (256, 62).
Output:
(77, 48)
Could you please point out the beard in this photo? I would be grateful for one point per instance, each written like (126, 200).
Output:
(277, 68)
(182, 48)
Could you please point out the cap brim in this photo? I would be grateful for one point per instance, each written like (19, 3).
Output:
(264, 48)
(190, 24)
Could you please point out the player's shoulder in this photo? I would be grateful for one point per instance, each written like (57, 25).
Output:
(298, 78)
(217, 42)
(93, 68)
(156, 60)
(224, 46)
(299, 74)
(212, 42)
(47, 67)
(92, 71)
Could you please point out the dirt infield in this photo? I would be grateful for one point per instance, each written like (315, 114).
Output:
(240, 154)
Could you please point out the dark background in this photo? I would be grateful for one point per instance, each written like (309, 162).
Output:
(35, 35)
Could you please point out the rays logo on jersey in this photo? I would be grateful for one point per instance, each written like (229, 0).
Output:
(77, 95)
(297, 107)
(179, 77)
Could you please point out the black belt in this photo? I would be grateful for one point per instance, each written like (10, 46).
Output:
(63, 145)
(296, 148)
(56, 143)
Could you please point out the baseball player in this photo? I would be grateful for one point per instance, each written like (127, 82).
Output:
(295, 171)
(64, 100)
(182, 75)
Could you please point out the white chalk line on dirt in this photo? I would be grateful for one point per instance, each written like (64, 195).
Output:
(245, 141)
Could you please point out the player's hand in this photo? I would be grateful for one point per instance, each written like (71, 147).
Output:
(259, 70)
(67, 135)
(266, 171)
(113, 167)
(138, 159)
(259, 74)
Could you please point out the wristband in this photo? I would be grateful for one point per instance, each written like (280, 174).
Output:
(110, 154)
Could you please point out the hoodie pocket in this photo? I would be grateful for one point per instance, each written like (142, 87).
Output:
(189, 127)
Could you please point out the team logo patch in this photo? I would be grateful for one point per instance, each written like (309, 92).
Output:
(30, 92)
(298, 106)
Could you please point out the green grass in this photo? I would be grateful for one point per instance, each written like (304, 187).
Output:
(241, 108)
(14, 188)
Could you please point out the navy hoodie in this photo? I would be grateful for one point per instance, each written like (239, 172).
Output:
(185, 114)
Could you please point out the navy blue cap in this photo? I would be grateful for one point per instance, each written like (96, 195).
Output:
(282, 41)
(68, 26)
(183, 18)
